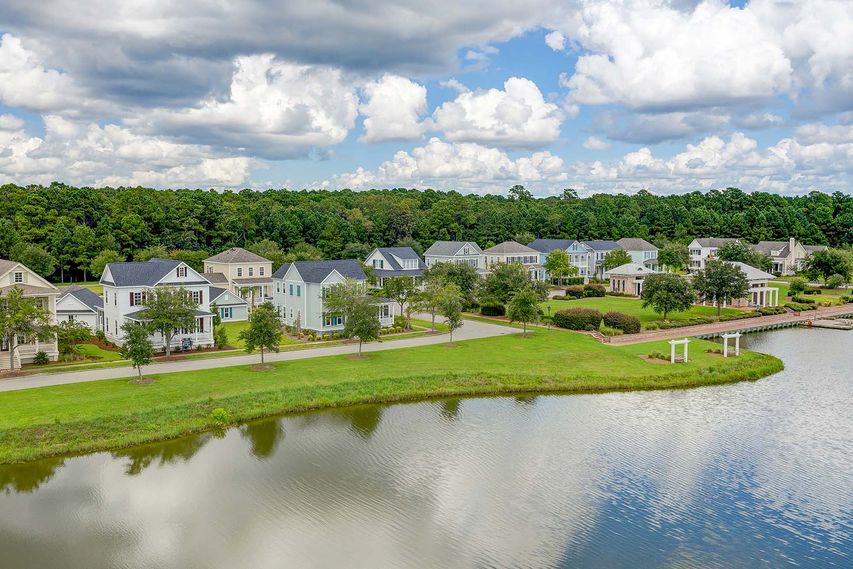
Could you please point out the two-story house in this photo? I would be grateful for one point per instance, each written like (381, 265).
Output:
(597, 249)
(788, 256)
(15, 275)
(242, 272)
(79, 304)
(546, 246)
(300, 289)
(514, 252)
(641, 251)
(456, 252)
(128, 285)
(390, 262)
(703, 249)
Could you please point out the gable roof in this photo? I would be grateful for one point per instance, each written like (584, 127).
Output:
(752, 274)
(6, 266)
(237, 255)
(389, 253)
(38, 286)
(548, 245)
(767, 248)
(602, 244)
(631, 269)
(813, 248)
(216, 292)
(135, 273)
(636, 244)
(450, 248)
(317, 271)
(84, 295)
(509, 248)
(715, 241)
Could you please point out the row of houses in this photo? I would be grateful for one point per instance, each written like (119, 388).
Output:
(788, 257)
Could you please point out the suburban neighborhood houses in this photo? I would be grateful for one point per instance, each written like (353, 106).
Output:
(23, 350)
(242, 272)
(457, 252)
(79, 304)
(390, 262)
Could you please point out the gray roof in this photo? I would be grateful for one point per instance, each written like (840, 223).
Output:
(602, 245)
(630, 269)
(147, 273)
(509, 248)
(450, 248)
(636, 244)
(237, 255)
(402, 252)
(548, 245)
(317, 271)
(813, 248)
(6, 266)
(253, 280)
(398, 273)
(216, 277)
(752, 274)
(715, 241)
(86, 296)
(216, 292)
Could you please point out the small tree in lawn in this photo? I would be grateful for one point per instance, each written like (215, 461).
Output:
(667, 292)
(721, 282)
(137, 346)
(674, 256)
(69, 334)
(429, 299)
(524, 308)
(22, 317)
(362, 321)
(616, 258)
(264, 331)
(558, 266)
(168, 309)
(400, 290)
(451, 308)
(798, 285)
(827, 263)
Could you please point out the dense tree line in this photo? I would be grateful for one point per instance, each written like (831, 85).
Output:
(73, 225)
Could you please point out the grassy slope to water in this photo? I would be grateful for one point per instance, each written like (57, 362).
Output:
(634, 307)
(111, 414)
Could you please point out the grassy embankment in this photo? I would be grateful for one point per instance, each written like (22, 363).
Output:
(634, 307)
(113, 414)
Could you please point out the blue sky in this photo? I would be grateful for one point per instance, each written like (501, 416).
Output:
(598, 95)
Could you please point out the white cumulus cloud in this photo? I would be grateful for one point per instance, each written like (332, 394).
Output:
(394, 107)
(595, 143)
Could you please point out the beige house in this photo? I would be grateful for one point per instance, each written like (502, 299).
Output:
(242, 272)
(629, 278)
(514, 252)
(788, 256)
(15, 275)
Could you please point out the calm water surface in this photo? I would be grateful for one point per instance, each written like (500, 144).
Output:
(747, 475)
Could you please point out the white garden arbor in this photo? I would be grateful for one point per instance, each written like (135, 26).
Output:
(726, 337)
(672, 344)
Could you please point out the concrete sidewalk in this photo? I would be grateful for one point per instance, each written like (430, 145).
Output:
(470, 330)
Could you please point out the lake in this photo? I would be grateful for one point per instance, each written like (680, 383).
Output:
(746, 475)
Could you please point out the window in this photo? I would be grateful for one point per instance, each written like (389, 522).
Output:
(261, 271)
(291, 289)
(384, 311)
(197, 296)
(298, 290)
(135, 298)
(182, 272)
(334, 321)
(226, 313)
(115, 299)
(251, 271)
(208, 269)
(466, 251)
(239, 271)
(107, 322)
(278, 287)
(19, 277)
(378, 264)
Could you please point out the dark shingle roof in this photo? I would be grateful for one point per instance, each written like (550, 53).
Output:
(147, 273)
(398, 273)
(237, 255)
(216, 278)
(714, 241)
(548, 245)
(86, 296)
(450, 248)
(403, 253)
(602, 244)
(317, 271)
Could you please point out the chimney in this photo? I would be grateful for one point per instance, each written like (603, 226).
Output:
(791, 242)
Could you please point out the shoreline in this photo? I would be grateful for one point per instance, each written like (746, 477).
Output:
(113, 431)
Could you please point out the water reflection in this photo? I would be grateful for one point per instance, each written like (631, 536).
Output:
(28, 477)
(748, 475)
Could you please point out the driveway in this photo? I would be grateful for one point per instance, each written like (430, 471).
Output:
(471, 330)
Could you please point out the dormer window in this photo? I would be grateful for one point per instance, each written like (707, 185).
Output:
(182, 272)
(19, 277)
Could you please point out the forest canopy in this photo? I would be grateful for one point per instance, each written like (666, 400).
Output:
(74, 224)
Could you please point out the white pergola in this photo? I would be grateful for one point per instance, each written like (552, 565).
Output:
(764, 296)
(726, 336)
(672, 344)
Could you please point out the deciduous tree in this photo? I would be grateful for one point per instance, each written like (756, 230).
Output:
(137, 345)
(22, 317)
(524, 307)
(720, 281)
(264, 331)
(167, 309)
(667, 292)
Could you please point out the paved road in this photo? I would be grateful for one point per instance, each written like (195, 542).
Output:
(730, 326)
(470, 330)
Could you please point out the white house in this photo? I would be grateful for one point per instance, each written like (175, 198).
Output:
(598, 249)
(788, 256)
(546, 246)
(15, 275)
(79, 304)
(299, 290)
(231, 307)
(629, 278)
(390, 262)
(641, 251)
(514, 252)
(457, 252)
(127, 286)
(703, 249)
(242, 272)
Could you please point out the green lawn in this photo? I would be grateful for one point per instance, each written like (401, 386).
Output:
(831, 294)
(95, 352)
(233, 330)
(94, 286)
(114, 413)
(631, 306)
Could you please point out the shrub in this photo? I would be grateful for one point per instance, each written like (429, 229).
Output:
(492, 309)
(575, 291)
(846, 299)
(617, 293)
(220, 416)
(812, 291)
(400, 321)
(41, 358)
(573, 281)
(593, 290)
(608, 331)
(101, 336)
(798, 285)
(652, 326)
(771, 310)
(578, 319)
(658, 356)
(802, 300)
(799, 307)
(835, 281)
(625, 322)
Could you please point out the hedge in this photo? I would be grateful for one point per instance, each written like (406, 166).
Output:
(578, 319)
(625, 322)
(492, 309)
(573, 281)
(593, 290)
(576, 291)
(802, 300)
